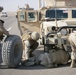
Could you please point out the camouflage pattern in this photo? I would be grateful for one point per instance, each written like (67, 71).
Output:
(72, 39)
(29, 46)
(25, 55)
(53, 58)
(24, 38)
(2, 29)
(73, 64)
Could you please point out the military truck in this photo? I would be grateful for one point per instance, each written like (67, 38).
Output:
(28, 19)
(56, 18)
(52, 15)
(59, 13)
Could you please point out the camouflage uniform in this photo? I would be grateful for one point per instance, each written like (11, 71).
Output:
(72, 39)
(2, 29)
(30, 44)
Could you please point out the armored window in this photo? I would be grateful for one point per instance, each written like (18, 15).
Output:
(56, 14)
(32, 16)
(22, 16)
(50, 13)
(62, 14)
(73, 13)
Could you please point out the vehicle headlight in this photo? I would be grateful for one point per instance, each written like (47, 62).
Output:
(53, 28)
(63, 31)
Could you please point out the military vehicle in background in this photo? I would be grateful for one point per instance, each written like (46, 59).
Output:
(4, 14)
(57, 14)
(52, 15)
(28, 19)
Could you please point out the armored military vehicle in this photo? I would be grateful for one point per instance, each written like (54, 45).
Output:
(28, 19)
(52, 15)
(59, 13)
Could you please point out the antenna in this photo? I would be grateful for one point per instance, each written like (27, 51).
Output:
(39, 4)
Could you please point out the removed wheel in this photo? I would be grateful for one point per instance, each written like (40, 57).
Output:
(12, 51)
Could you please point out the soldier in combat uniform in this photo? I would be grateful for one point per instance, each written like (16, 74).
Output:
(30, 44)
(2, 29)
(72, 39)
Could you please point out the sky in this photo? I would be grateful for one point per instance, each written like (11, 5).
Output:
(12, 5)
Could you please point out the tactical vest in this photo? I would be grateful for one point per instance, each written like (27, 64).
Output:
(31, 41)
(27, 37)
(2, 29)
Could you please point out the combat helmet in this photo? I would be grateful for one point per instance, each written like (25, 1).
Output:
(35, 36)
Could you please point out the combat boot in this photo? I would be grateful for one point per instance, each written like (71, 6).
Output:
(31, 55)
(73, 64)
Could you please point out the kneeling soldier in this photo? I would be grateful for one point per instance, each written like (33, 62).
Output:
(30, 44)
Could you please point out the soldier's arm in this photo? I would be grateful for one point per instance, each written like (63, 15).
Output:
(3, 30)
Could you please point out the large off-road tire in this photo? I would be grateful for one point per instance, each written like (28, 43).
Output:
(12, 51)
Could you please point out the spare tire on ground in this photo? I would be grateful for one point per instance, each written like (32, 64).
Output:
(12, 51)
